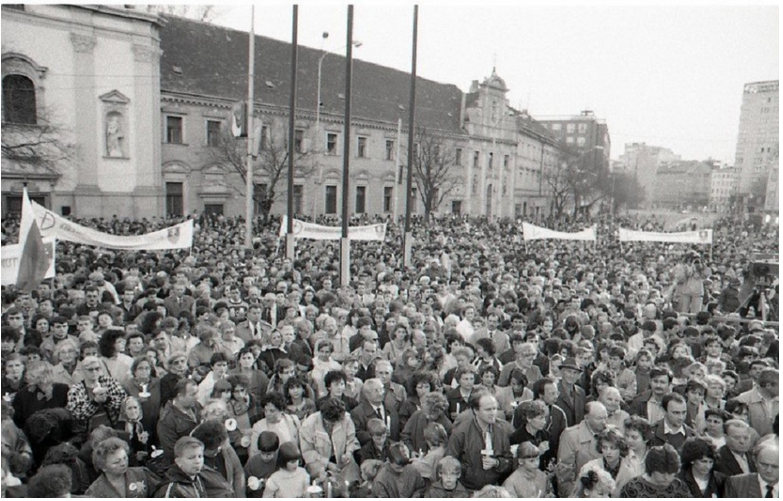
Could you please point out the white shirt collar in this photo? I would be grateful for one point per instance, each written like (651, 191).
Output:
(763, 485)
(670, 431)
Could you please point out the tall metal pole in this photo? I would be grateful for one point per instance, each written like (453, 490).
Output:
(411, 125)
(345, 243)
(250, 135)
(289, 241)
(396, 188)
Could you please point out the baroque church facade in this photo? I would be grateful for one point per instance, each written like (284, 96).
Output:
(143, 117)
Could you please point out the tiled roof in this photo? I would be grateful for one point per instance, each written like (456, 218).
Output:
(208, 60)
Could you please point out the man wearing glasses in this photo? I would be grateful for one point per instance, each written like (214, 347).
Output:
(764, 483)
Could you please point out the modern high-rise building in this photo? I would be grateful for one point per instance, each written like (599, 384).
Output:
(758, 137)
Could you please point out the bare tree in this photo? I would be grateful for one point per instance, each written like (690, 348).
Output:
(433, 169)
(271, 164)
(203, 13)
(40, 142)
(558, 185)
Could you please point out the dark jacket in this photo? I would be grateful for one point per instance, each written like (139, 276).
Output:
(676, 441)
(466, 443)
(27, 402)
(364, 412)
(574, 410)
(727, 464)
(173, 425)
(714, 487)
(207, 484)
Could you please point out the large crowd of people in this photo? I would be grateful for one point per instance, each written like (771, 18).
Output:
(490, 366)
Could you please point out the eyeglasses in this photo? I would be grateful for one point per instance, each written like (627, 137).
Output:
(92, 369)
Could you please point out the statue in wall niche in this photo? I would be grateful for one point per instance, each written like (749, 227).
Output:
(114, 137)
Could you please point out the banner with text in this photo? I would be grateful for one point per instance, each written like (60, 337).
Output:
(533, 232)
(313, 231)
(179, 236)
(10, 260)
(683, 237)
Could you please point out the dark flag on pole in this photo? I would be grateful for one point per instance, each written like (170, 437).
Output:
(34, 260)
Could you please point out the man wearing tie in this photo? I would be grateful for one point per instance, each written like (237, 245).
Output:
(756, 485)
(254, 327)
(178, 302)
(372, 406)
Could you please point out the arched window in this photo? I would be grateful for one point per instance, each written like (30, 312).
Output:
(19, 100)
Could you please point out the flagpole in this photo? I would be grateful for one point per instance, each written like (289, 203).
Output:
(345, 243)
(249, 174)
(408, 242)
(289, 242)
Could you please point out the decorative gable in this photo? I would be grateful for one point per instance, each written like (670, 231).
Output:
(115, 97)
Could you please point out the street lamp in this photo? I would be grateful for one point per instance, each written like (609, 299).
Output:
(325, 35)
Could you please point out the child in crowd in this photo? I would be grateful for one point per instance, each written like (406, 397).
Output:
(290, 480)
(261, 466)
(643, 363)
(378, 446)
(369, 469)
(527, 481)
(447, 485)
(436, 437)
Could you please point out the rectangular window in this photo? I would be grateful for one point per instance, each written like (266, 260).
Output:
(174, 130)
(389, 149)
(490, 157)
(213, 132)
(331, 143)
(361, 192)
(388, 199)
(570, 139)
(458, 157)
(456, 207)
(505, 161)
(264, 137)
(174, 199)
(580, 141)
(414, 198)
(570, 128)
(214, 209)
(361, 147)
(331, 199)
(476, 159)
(582, 128)
(557, 126)
(298, 197)
(299, 141)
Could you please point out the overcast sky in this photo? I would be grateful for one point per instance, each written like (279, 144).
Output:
(666, 75)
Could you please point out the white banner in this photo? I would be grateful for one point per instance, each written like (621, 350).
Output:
(683, 237)
(533, 232)
(313, 231)
(179, 236)
(11, 255)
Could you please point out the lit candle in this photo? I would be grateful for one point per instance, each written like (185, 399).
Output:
(328, 489)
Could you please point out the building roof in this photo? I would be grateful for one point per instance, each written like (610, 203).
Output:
(207, 60)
